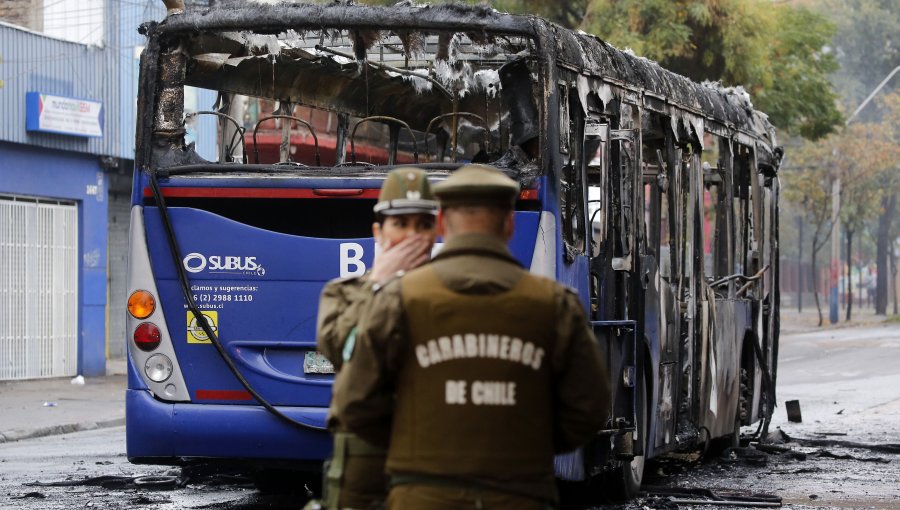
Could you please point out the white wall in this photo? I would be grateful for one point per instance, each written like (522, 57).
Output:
(79, 21)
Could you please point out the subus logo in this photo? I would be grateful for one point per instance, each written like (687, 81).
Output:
(196, 262)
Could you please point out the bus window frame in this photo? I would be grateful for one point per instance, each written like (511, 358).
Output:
(573, 194)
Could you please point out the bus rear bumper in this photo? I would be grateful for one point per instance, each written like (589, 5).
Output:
(161, 433)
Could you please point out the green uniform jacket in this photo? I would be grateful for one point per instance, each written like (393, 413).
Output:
(377, 394)
(341, 302)
(340, 305)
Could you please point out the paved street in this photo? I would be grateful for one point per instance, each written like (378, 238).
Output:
(848, 383)
(100, 455)
(846, 379)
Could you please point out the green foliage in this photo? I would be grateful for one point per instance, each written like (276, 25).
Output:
(568, 13)
(800, 97)
(774, 51)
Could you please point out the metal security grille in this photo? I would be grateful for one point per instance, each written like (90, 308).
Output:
(38, 288)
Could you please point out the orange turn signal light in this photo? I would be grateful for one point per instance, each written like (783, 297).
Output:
(141, 304)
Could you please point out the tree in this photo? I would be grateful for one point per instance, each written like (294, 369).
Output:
(810, 188)
(568, 13)
(859, 204)
(887, 149)
(884, 245)
(801, 98)
(864, 157)
(777, 52)
(865, 45)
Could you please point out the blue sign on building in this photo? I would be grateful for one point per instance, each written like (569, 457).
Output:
(63, 115)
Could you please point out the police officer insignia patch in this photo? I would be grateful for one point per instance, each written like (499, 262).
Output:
(349, 345)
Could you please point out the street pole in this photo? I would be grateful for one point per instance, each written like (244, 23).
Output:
(800, 265)
(872, 95)
(834, 305)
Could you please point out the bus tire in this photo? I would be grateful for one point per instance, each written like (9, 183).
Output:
(285, 481)
(743, 408)
(624, 482)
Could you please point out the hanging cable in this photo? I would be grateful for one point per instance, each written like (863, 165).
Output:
(201, 321)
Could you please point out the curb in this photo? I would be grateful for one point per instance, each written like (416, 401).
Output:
(20, 434)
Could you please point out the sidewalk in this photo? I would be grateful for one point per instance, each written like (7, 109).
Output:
(795, 322)
(44, 407)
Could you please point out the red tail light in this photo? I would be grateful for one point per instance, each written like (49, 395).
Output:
(147, 336)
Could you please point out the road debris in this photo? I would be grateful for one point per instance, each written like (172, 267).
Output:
(36, 495)
(893, 448)
(801, 471)
(793, 411)
(169, 480)
(720, 497)
(830, 455)
(105, 481)
(745, 455)
(777, 436)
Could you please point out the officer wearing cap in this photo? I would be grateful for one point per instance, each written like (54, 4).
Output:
(471, 370)
(404, 229)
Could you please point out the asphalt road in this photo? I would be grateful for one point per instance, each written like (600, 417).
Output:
(847, 382)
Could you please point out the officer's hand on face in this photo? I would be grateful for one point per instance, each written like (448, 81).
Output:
(409, 253)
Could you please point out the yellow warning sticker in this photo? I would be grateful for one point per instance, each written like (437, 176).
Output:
(195, 333)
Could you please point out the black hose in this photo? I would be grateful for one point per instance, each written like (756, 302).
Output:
(767, 388)
(192, 306)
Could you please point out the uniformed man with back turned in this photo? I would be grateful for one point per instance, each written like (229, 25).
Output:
(472, 371)
(404, 231)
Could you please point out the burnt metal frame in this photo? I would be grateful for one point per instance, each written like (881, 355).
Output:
(651, 88)
(286, 117)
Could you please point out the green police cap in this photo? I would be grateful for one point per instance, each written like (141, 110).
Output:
(406, 191)
(477, 185)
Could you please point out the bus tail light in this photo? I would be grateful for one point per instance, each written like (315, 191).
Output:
(147, 337)
(154, 363)
(158, 368)
(141, 304)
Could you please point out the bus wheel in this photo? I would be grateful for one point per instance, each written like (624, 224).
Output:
(743, 410)
(624, 483)
(285, 481)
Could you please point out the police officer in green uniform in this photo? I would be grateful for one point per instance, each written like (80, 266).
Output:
(405, 232)
(471, 370)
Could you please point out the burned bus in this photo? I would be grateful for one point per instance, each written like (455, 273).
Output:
(652, 196)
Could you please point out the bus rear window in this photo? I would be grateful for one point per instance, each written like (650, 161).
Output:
(332, 218)
(320, 97)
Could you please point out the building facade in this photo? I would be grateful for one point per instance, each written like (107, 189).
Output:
(66, 160)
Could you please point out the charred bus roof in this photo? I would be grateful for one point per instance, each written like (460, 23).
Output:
(274, 18)
(236, 48)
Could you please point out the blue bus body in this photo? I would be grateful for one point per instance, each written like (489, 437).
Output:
(263, 287)
(655, 198)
